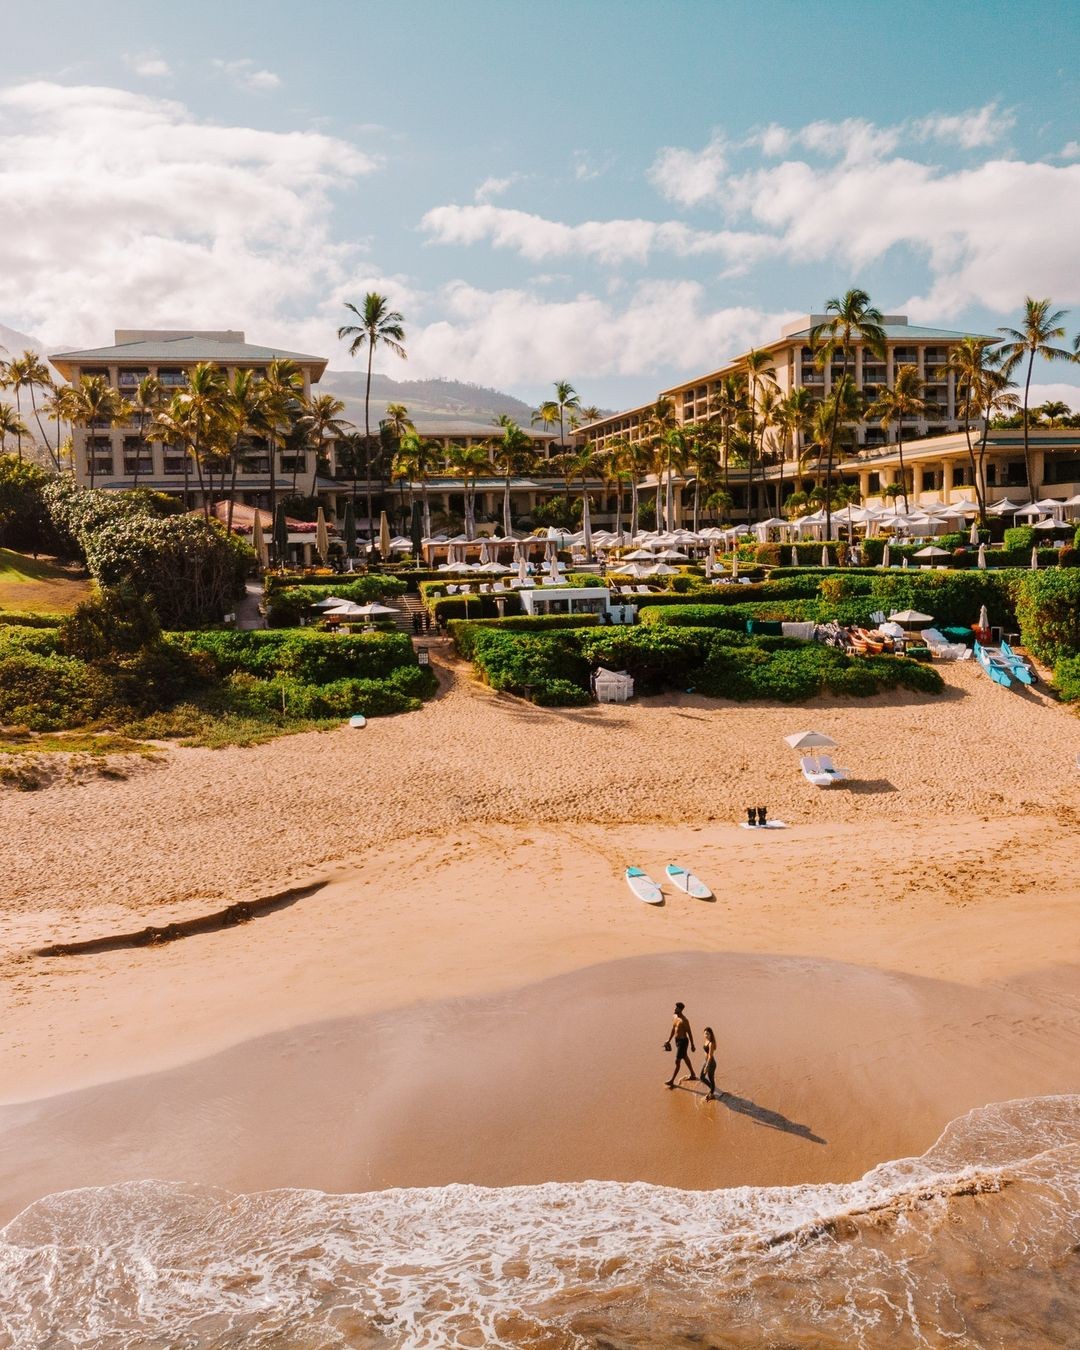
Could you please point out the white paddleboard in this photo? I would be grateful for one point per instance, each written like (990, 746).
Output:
(686, 881)
(357, 720)
(769, 825)
(643, 886)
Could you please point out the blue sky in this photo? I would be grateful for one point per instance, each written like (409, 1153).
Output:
(622, 194)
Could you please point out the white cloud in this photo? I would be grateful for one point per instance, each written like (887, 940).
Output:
(584, 169)
(150, 65)
(508, 336)
(970, 130)
(606, 241)
(495, 187)
(1071, 151)
(1056, 393)
(690, 177)
(245, 75)
(133, 214)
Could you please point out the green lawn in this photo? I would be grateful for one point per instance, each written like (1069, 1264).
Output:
(39, 585)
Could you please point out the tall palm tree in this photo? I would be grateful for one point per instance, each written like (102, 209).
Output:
(514, 452)
(416, 460)
(30, 372)
(278, 411)
(1054, 412)
(11, 424)
(321, 420)
(657, 424)
(586, 461)
(904, 399)
(468, 462)
(995, 397)
(62, 406)
(725, 408)
(379, 326)
(970, 362)
(852, 319)
(146, 402)
(1039, 329)
(175, 425)
(555, 409)
(204, 400)
(759, 369)
(96, 401)
(240, 407)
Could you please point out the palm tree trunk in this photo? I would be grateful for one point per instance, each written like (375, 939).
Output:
(980, 495)
(18, 432)
(633, 505)
(427, 509)
(273, 473)
(41, 431)
(506, 506)
(838, 397)
(315, 468)
(232, 486)
(900, 452)
(1032, 486)
(586, 520)
(367, 441)
(618, 508)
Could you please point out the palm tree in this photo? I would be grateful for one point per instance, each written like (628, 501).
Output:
(586, 463)
(62, 406)
(279, 408)
(853, 319)
(379, 326)
(904, 399)
(145, 404)
(969, 362)
(1054, 411)
(11, 424)
(555, 409)
(1035, 337)
(513, 453)
(241, 404)
(204, 400)
(176, 426)
(30, 372)
(659, 421)
(796, 417)
(995, 396)
(725, 408)
(95, 400)
(322, 420)
(416, 460)
(758, 367)
(468, 462)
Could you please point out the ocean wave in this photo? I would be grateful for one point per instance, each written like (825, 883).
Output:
(975, 1243)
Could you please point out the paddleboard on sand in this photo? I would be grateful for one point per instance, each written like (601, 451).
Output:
(357, 720)
(769, 825)
(643, 886)
(686, 881)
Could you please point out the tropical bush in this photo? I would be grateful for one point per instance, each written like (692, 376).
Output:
(1020, 538)
(24, 520)
(1048, 612)
(288, 605)
(50, 692)
(310, 657)
(1067, 678)
(464, 630)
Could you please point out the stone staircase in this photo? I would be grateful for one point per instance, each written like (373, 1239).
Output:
(407, 606)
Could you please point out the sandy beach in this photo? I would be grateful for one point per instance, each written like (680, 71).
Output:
(470, 954)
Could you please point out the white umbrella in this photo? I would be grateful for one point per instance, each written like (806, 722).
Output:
(734, 565)
(932, 551)
(973, 537)
(885, 554)
(710, 559)
(372, 610)
(910, 617)
(485, 552)
(904, 562)
(672, 555)
(346, 610)
(1034, 559)
(824, 555)
(384, 535)
(982, 557)
(522, 568)
(794, 556)
(1002, 508)
(984, 618)
(630, 570)
(660, 570)
(638, 555)
(553, 568)
(1049, 524)
(331, 602)
(809, 740)
(322, 535)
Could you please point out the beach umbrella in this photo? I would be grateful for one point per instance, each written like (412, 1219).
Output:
(281, 535)
(903, 562)
(982, 557)
(344, 609)
(973, 537)
(810, 740)
(672, 555)
(932, 551)
(1034, 559)
(1049, 524)
(522, 568)
(348, 528)
(322, 535)
(909, 618)
(824, 555)
(258, 540)
(384, 535)
(485, 552)
(710, 558)
(553, 568)
(984, 618)
(331, 602)
(885, 554)
(373, 610)
(734, 564)
(794, 555)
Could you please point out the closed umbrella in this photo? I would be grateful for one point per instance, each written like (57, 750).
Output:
(973, 537)
(485, 552)
(904, 562)
(258, 540)
(522, 568)
(734, 563)
(710, 558)
(982, 557)
(984, 619)
(348, 529)
(885, 557)
(824, 555)
(384, 535)
(794, 556)
(322, 536)
(1034, 559)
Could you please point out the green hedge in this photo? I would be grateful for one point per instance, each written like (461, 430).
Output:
(402, 691)
(1067, 678)
(477, 607)
(1048, 612)
(464, 630)
(30, 619)
(312, 658)
(50, 692)
(287, 604)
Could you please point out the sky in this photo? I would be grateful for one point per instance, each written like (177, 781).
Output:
(619, 193)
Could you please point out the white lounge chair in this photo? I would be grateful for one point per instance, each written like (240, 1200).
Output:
(825, 765)
(813, 774)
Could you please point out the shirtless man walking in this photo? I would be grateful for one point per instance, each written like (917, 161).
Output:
(683, 1038)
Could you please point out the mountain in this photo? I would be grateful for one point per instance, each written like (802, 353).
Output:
(429, 401)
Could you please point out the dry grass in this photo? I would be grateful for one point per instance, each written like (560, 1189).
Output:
(39, 585)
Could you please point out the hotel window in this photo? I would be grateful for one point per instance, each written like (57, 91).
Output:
(99, 450)
(873, 484)
(137, 455)
(1062, 469)
(129, 378)
(174, 461)
(172, 378)
(905, 356)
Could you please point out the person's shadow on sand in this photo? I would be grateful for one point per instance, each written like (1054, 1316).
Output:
(772, 1120)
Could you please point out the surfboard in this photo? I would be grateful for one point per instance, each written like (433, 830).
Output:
(358, 720)
(643, 886)
(686, 881)
(769, 825)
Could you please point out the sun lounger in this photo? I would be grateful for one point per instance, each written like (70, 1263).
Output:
(943, 649)
(825, 765)
(878, 618)
(813, 774)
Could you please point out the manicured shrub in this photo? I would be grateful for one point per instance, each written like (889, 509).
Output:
(1067, 678)
(1068, 556)
(463, 630)
(313, 658)
(30, 619)
(1048, 612)
(476, 607)
(1020, 538)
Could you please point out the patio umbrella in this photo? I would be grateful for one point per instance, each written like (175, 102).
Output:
(932, 551)
(281, 535)
(909, 618)
(485, 552)
(809, 740)
(258, 540)
(331, 602)
(904, 562)
(984, 618)
(345, 609)
(734, 564)
(384, 535)
(348, 528)
(672, 555)
(322, 536)
(1034, 559)
(794, 556)
(824, 555)
(710, 559)
(1050, 524)
(973, 537)
(373, 610)
(553, 568)
(885, 559)
(522, 567)
(639, 555)
(982, 557)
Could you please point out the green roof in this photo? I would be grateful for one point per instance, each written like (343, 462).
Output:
(185, 349)
(899, 332)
